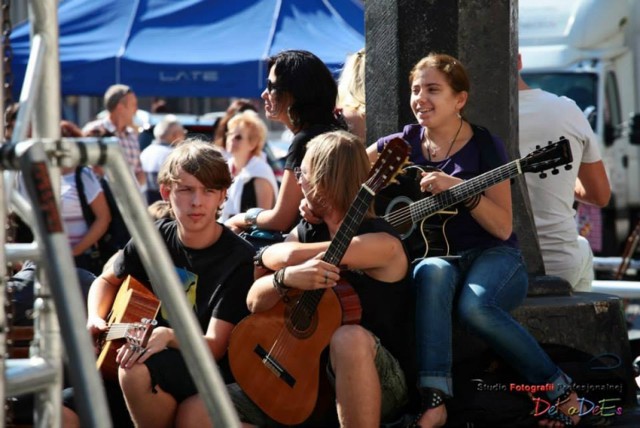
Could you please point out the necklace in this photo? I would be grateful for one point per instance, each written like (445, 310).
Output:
(432, 151)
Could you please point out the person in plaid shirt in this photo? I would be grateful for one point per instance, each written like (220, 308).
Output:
(121, 103)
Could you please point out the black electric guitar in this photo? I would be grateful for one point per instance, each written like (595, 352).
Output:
(422, 223)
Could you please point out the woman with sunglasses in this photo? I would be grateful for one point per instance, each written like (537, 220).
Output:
(300, 93)
(254, 183)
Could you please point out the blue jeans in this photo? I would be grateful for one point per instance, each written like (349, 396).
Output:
(480, 289)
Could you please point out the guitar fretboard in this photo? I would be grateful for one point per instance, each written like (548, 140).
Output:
(340, 242)
(430, 205)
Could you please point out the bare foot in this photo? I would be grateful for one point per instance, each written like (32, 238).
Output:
(435, 417)
(570, 408)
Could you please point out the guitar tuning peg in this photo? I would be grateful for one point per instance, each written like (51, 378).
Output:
(568, 167)
(537, 146)
(543, 175)
(555, 171)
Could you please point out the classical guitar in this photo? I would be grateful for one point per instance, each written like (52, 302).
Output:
(131, 319)
(275, 355)
(422, 224)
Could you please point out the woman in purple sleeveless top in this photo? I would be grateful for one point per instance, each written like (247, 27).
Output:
(487, 278)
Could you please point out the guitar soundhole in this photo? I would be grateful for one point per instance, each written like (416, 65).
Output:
(399, 219)
(301, 321)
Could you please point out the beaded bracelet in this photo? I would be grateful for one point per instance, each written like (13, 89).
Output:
(471, 203)
(278, 282)
(257, 259)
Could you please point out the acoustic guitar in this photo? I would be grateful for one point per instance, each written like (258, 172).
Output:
(275, 355)
(131, 319)
(421, 218)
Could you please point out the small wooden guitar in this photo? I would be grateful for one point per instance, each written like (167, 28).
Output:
(131, 319)
(275, 355)
(422, 223)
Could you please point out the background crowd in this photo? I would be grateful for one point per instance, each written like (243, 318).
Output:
(201, 189)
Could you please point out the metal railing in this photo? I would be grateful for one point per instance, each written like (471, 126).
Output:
(57, 294)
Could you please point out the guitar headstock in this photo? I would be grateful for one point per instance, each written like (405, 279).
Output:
(550, 156)
(138, 334)
(389, 164)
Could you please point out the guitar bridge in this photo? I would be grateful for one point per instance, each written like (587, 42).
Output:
(274, 366)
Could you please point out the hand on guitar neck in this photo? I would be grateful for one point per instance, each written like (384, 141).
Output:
(137, 348)
(130, 321)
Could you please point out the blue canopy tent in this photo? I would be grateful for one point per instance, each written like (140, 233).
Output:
(190, 48)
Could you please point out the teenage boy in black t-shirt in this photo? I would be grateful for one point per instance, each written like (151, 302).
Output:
(365, 361)
(215, 267)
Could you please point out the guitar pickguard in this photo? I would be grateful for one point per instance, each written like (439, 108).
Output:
(422, 237)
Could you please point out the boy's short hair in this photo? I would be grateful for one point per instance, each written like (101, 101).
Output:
(199, 159)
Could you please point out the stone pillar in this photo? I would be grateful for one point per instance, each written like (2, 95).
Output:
(483, 35)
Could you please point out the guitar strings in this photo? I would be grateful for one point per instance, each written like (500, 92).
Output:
(450, 196)
(306, 306)
(117, 330)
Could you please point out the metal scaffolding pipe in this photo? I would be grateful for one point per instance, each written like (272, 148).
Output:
(32, 79)
(19, 252)
(28, 375)
(624, 289)
(62, 281)
(44, 23)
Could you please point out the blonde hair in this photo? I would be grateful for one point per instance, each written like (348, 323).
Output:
(255, 125)
(159, 210)
(338, 165)
(351, 88)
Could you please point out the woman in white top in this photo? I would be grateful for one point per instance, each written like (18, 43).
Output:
(82, 237)
(254, 183)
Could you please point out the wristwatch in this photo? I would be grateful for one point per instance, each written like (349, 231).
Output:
(251, 216)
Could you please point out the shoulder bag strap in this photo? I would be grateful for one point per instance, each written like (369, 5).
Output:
(86, 209)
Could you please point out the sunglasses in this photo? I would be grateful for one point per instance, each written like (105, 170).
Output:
(271, 87)
(297, 172)
(235, 137)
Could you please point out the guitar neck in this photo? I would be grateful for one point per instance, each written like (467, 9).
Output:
(342, 239)
(458, 193)
(349, 227)
(118, 330)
